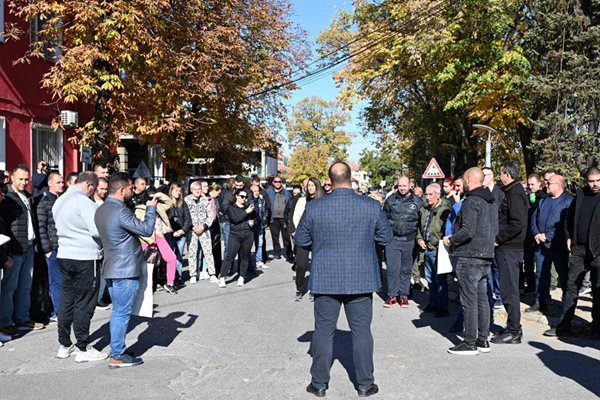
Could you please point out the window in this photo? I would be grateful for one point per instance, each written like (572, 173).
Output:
(47, 145)
(3, 143)
(52, 47)
(1, 21)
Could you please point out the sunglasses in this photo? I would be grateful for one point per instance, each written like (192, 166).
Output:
(243, 196)
(276, 181)
(327, 184)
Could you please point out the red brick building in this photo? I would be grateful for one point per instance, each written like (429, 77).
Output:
(27, 110)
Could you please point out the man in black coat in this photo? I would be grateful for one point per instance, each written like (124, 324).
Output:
(583, 241)
(49, 238)
(512, 221)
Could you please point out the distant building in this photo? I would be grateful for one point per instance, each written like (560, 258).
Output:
(360, 176)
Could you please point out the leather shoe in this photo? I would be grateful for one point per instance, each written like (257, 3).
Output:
(313, 390)
(373, 389)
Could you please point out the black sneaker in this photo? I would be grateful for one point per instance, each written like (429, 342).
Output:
(170, 289)
(483, 346)
(298, 296)
(507, 337)
(536, 308)
(126, 360)
(557, 331)
(463, 349)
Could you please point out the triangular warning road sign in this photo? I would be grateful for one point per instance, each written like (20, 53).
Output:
(433, 171)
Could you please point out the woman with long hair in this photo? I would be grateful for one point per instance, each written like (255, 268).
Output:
(181, 223)
(241, 235)
(314, 190)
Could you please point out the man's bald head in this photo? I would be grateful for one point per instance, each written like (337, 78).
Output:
(403, 185)
(556, 185)
(473, 178)
(340, 175)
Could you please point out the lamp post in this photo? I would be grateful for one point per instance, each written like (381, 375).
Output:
(488, 143)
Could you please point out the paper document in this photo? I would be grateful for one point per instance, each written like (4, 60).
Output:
(4, 239)
(144, 301)
(444, 266)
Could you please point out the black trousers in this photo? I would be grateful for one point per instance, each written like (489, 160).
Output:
(359, 313)
(580, 262)
(301, 267)
(237, 244)
(277, 227)
(509, 261)
(472, 276)
(79, 293)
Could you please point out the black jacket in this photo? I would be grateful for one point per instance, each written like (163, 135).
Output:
(4, 249)
(47, 229)
(573, 220)
(513, 217)
(403, 214)
(180, 218)
(238, 220)
(475, 226)
(14, 212)
(288, 214)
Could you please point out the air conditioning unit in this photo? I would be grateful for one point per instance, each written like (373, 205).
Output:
(69, 119)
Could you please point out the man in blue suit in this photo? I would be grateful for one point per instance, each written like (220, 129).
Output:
(123, 259)
(341, 230)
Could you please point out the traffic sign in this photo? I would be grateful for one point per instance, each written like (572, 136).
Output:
(433, 171)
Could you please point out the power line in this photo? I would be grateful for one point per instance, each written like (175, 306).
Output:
(321, 72)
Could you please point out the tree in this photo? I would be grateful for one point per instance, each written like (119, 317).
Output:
(430, 70)
(190, 75)
(315, 137)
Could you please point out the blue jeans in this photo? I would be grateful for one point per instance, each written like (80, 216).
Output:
(178, 246)
(16, 289)
(123, 293)
(54, 281)
(544, 258)
(494, 281)
(438, 284)
(225, 229)
(259, 237)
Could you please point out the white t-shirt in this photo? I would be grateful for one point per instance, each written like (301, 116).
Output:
(30, 230)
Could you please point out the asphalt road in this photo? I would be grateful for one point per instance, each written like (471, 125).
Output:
(252, 343)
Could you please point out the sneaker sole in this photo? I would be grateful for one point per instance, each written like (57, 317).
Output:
(117, 366)
(484, 349)
(464, 353)
(93, 360)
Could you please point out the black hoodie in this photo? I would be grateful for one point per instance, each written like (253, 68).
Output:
(475, 226)
(513, 217)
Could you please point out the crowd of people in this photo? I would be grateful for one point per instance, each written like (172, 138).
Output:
(96, 231)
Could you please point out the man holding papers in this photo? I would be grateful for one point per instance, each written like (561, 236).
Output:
(472, 243)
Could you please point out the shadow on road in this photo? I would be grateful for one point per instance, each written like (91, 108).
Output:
(342, 351)
(161, 331)
(575, 366)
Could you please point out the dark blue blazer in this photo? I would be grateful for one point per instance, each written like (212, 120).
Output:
(341, 230)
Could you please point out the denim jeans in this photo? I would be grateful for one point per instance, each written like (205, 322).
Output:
(399, 260)
(16, 289)
(225, 229)
(544, 258)
(123, 293)
(178, 246)
(259, 237)
(472, 276)
(54, 282)
(494, 280)
(438, 284)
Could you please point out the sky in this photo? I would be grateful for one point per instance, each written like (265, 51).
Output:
(314, 16)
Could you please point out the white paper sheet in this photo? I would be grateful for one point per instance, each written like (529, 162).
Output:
(4, 239)
(444, 266)
(144, 301)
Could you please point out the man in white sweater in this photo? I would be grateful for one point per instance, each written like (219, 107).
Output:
(79, 252)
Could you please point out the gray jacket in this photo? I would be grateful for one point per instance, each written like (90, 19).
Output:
(120, 231)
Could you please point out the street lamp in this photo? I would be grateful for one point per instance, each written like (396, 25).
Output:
(488, 143)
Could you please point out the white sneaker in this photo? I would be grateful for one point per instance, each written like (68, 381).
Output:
(222, 282)
(241, 281)
(203, 275)
(65, 352)
(192, 280)
(262, 265)
(91, 354)
(214, 279)
(5, 338)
